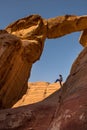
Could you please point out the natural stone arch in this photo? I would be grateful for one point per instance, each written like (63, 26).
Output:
(22, 44)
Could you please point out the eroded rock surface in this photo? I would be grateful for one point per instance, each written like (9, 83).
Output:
(72, 113)
(36, 92)
(22, 43)
(33, 27)
(65, 109)
(17, 54)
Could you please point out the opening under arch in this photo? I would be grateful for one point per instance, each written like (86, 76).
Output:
(57, 58)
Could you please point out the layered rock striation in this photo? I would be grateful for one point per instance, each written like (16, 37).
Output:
(22, 43)
(36, 92)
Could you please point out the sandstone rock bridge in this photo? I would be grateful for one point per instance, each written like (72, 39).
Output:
(22, 43)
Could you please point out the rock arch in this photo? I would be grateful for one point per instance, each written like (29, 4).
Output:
(22, 43)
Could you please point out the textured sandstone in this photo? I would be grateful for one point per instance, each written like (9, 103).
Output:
(83, 38)
(54, 113)
(62, 25)
(37, 92)
(17, 56)
(72, 114)
(22, 44)
(34, 26)
(14, 70)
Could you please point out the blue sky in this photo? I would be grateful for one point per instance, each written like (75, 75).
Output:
(58, 54)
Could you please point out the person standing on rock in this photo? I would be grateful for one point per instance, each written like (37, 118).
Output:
(60, 79)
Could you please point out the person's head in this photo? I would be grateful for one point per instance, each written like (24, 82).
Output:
(60, 75)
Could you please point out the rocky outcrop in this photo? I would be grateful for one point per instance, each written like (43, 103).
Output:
(22, 43)
(33, 27)
(83, 38)
(72, 113)
(37, 92)
(62, 25)
(16, 58)
(65, 109)
(11, 66)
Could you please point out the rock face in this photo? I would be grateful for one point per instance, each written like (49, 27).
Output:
(10, 58)
(22, 43)
(36, 28)
(83, 38)
(37, 92)
(72, 114)
(65, 109)
(62, 25)
(17, 54)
